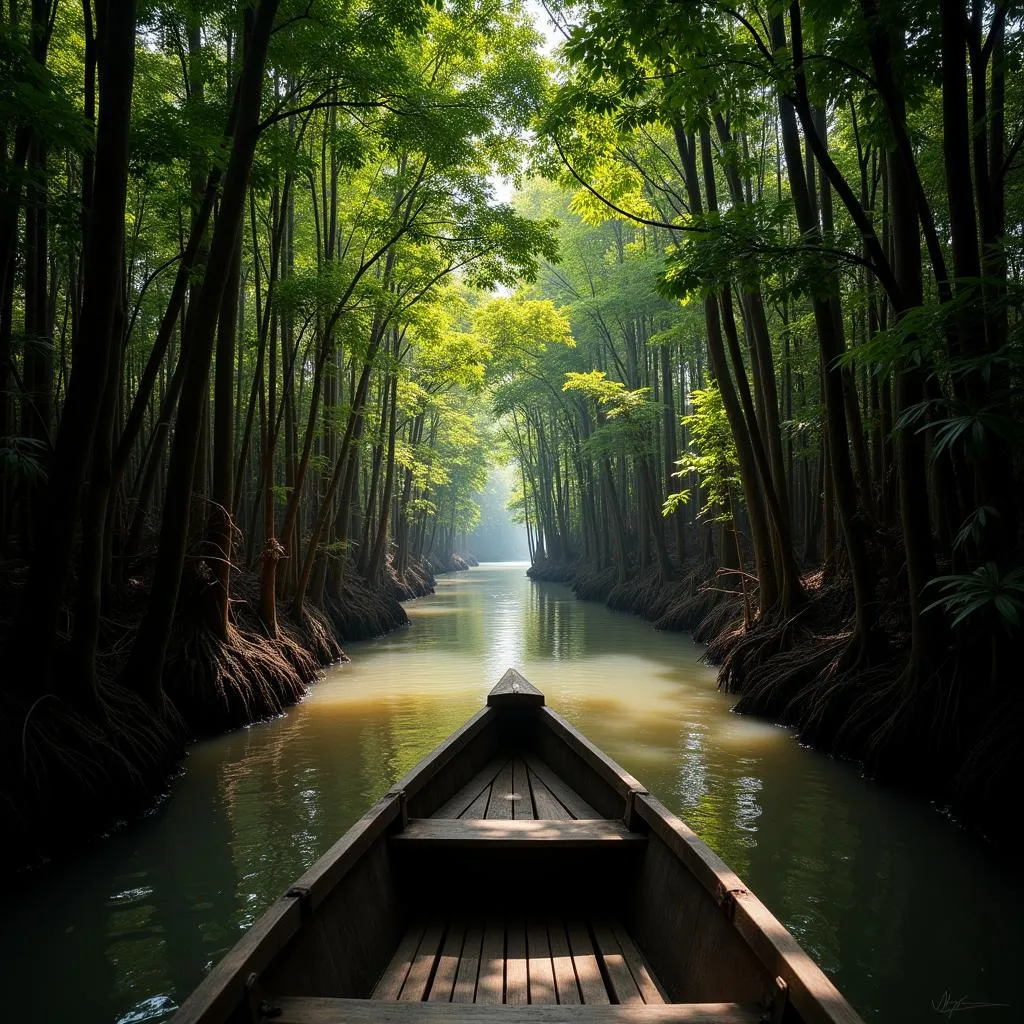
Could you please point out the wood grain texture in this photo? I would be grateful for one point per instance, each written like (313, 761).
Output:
(478, 808)
(448, 963)
(615, 968)
(545, 804)
(687, 939)
(393, 978)
(713, 874)
(576, 806)
(810, 993)
(469, 965)
(507, 834)
(320, 879)
(422, 970)
(578, 772)
(223, 989)
(538, 950)
(592, 987)
(502, 802)
(522, 803)
(349, 939)
(517, 976)
(612, 773)
(415, 779)
(648, 985)
(471, 792)
(357, 1011)
(561, 961)
(490, 985)
(731, 912)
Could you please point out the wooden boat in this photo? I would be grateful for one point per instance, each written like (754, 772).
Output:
(517, 874)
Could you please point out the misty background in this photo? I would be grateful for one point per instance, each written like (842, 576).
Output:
(498, 538)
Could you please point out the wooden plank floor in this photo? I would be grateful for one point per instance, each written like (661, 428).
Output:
(518, 958)
(517, 788)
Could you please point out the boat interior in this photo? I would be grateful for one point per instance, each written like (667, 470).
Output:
(527, 928)
(519, 866)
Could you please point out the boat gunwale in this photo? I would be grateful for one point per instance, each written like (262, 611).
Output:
(286, 916)
(809, 990)
(414, 780)
(609, 771)
(321, 878)
(224, 988)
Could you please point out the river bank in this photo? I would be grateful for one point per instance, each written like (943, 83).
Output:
(801, 673)
(70, 772)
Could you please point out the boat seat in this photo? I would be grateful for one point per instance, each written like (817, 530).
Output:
(457, 832)
(312, 1010)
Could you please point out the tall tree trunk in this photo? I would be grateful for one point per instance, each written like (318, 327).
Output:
(376, 564)
(221, 525)
(831, 347)
(93, 358)
(145, 666)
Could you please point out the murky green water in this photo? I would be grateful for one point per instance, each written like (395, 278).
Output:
(901, 908)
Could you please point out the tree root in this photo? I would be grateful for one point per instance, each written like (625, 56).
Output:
(217, 684)
(67, 766)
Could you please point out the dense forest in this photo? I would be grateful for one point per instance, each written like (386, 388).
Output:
(747, 334)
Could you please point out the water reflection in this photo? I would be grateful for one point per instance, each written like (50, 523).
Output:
(893, 901)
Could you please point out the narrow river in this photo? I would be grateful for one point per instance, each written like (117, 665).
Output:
(905, 912)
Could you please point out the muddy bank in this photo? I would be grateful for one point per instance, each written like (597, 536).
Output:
(71, 769)
(945, 737)
(455, 562)
(686, 604)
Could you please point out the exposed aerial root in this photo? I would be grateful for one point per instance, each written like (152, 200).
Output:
(217, 683)
(357, 613)
(551, 571)
(61, 767)
(455, 562)
(319, 639)
(725, 616)
(70, 767)
(416, 580)
(595, 585)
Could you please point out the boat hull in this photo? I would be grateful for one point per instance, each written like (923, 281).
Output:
(517, 870)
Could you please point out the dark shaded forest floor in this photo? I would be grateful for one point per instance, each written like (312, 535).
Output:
(946, 738)
(72, 768)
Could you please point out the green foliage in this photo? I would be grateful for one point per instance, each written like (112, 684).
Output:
(712, 454)
(39, 95)
(984, 595)
(613, 396)
(23, 459)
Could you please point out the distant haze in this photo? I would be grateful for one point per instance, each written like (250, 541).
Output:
(497, 538)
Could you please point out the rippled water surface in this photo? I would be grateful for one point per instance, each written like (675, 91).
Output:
(901, 908)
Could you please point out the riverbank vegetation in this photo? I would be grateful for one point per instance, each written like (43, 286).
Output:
(241, 247)
(792, 419)
(749, 333)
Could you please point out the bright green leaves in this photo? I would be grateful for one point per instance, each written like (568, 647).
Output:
(612, 396)
(41, 96)
(712, 455)
(518, 330)
(627, 418)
